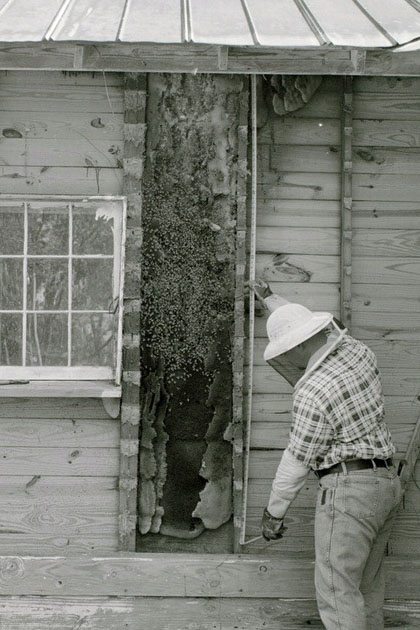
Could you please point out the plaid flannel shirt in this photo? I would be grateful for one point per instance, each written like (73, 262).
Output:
(338, 410)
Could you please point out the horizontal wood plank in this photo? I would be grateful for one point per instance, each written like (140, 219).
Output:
(386, 271)
(60, 180)
(298, 268)
(395, 160)
(297, 158)
(309, 241)
(55, 461)
(299, 213)
(291, 130)
(397, 243)
(61, 98)
(377, 325)
(393, 85)
(384, 187)
(79, 152)
(63, 543)
(379, 298)
(67, 613)
(39, 125)
(386, 105)
(59, 432)
(289, 185)
(70, 79)
(386, 133)
(57, 408)
(177, 575)
(386, 214)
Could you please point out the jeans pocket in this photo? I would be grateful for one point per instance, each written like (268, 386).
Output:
(361, 495)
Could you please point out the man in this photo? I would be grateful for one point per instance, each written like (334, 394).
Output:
(338, 431)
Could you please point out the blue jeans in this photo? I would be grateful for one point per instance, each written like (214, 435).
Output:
(353, 521)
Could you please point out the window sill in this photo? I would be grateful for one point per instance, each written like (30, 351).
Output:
(60, 389)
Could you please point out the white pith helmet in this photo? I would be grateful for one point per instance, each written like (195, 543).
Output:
(292, 324)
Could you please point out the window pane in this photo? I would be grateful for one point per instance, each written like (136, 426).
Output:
(46, 342)
(93, 228)
(48, 230)
(11, 284)
(47, 284)
(11, 230)
(10, 339)
(92, 284)
(92, 339)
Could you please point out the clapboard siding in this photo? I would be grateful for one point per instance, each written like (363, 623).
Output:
(71, 133)
(59, 457)
(298, 252)
(171, 613)
(59, 467)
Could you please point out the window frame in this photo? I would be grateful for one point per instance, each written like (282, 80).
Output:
(85, 372)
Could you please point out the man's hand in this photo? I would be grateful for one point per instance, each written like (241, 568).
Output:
(261, 289)
(272, 528)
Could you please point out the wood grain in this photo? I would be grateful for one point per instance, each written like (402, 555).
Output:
(309, 241)
(41, 460)
(300, 213)
(68, 613)
(59, 432)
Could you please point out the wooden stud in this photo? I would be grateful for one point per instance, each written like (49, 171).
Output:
(346, 202)
(134, 145)
(239, 332)
(223, 57)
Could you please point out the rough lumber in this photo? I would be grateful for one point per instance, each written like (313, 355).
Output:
(346, 234)
(178, 575)
(299, 268)
(239, 320)
(59, 432)
(380, 270)
(383, 298)
(309, 241)
(134, 146)
(70, 613)
(54, 461)
(299, 213)
(150, 57)
(60, 180)
(291, 130)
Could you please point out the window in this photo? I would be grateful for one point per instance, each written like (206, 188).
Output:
(61, 277)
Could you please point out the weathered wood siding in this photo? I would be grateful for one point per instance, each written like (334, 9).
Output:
(59, 465)
(59, 458)
(298, 241)
(70, 133)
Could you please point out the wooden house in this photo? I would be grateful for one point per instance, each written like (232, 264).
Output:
(213, 141)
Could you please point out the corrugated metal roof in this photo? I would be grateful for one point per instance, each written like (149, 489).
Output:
(274, 23)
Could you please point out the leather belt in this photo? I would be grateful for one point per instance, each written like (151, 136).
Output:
(354, 464)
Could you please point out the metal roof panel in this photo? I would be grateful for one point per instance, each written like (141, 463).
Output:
(26, 20)
(219, 22)
(280, 24)
(398, 18)
(345, 24)
(87, 20)
(153, 21)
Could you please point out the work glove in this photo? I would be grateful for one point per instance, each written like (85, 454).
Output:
(272, 528)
